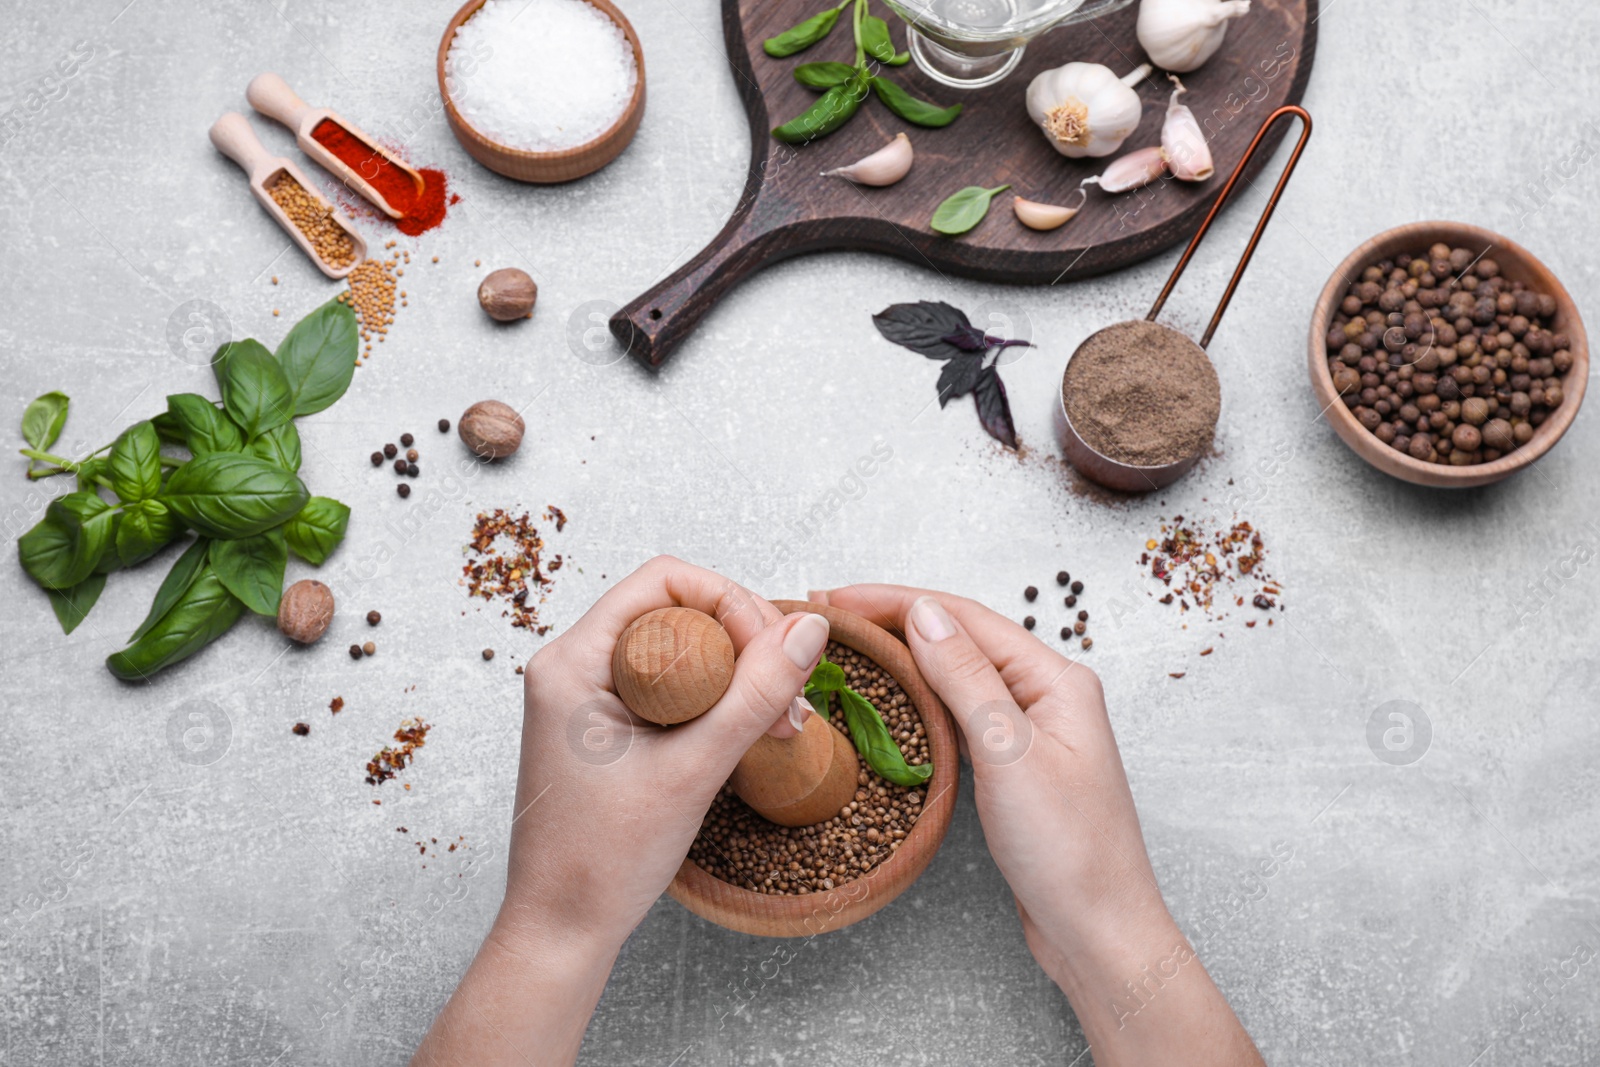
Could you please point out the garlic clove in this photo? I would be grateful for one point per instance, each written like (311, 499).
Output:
(1083, 109)
(1181, 35)
(1183, 143)
(884, 167)
(1136, 169)
(1036, 216)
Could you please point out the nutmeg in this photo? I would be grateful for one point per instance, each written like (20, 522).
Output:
(508, 294)
(491, 429)
(305, 611)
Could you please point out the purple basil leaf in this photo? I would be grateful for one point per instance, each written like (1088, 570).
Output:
(959, 376)
(994, 411)
(922, 327)
(972, 339)
(999, 343)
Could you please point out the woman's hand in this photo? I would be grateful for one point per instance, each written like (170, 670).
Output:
(1060, 822)
(607, 806)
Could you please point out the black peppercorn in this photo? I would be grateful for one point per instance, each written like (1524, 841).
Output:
(1066, 633)
(1083, 616)
(377, 459)
(488, 653)
(373, 618)
(1062, 577)
(412, 470)
(444, 425)
(1028, 623)
(406, 440)
(400, 466)
(1077, 587)
(1071, 601)
(355, 651)
(1031, 593)
(403, 489)
(389, 451)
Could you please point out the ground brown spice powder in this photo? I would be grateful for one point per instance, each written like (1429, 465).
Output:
(1142, 394)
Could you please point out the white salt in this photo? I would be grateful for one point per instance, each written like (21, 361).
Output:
(540, 75)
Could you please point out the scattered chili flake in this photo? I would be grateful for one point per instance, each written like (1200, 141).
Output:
(301, 728)
(389, 762)
(507, 565)
(336, 705)
(556, 515)
(1207, 651)
(1197, 564)
(1176, 674)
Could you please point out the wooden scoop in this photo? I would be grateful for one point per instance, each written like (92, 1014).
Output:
(672, 664)
(235, 139)
(271, 95)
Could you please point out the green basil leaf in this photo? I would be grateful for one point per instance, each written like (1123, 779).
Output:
(251, 568)
(203, 613)
(823, 75)
(874, 38)
(280, 446)
(963, 209)
(167, 428)
(136, 463)
(799, 38)
(317, 530)
(66, 545)
(184, 571)
(205, 429)
(229, 494)
(825, 678)
(318, 357)
(144, 529)
(255, 391)
(876, 746)
(832, 110)
(72, 605)
(42, 420)
(910, 108)
(900, 59)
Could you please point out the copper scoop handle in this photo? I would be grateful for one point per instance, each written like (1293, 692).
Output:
(1222, 198)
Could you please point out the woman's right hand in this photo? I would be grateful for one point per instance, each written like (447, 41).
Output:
(1060, 821)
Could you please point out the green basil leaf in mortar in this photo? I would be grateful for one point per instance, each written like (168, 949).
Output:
(317, 530)
(136, 463)
(823, 75)
(145, 528)
(251, 568)
(72, 605)
(318, 357)
(66, 545)
(280, 445)
(255, 391)
(964, 209)
(43, 419)
(832, 110)
(825, 678)
(799, 38)
(185, 569)
(229, 494)
(910, 108)
(872, 740)
(203, 613)
(205, 429)
(874, 39)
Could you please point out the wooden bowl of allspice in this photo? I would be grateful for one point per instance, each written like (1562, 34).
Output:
(1447, 355)
(741, 871)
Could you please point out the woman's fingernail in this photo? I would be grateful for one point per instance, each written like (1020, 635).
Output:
(803, 643)
(799, 711)
(817, 596)
(932, 623)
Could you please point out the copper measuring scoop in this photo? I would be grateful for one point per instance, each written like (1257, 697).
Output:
(1130, 478)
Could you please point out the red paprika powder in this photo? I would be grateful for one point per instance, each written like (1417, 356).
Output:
(420, 210)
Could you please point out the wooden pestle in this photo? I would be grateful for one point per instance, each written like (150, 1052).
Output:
(672, 664)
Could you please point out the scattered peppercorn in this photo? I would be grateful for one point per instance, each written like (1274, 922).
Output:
(411, 453)
(1029, 622)
(1083, 616)
(399, 466)
(1077, 587)
(301, 728)
(1079, 627)
(1066, 633)
(1062, 577)
(444, 425)
(390, 451)
(373, 618)
(403, 489)
(355, 651)
(412, 470)
(369, 648)
(1071, 601)
(407, 440)
(1088, 643)
(377, 459)
(1031, 593)
(488, 653)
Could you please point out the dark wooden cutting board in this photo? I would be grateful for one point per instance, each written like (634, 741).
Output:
(788, 209)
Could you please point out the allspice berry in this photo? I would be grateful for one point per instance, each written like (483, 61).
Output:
(508, 294)
(1498, 436)
(491, 429)
(305, 611)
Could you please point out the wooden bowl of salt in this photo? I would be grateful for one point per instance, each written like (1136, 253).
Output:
(512, 127)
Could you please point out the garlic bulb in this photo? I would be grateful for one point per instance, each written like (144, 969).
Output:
(1181, 35)
(1137, 168)
(1084, 109)
(1036, 216)
(884, 167)
(1183, 144)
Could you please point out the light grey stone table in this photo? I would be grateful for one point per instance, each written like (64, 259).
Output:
(175, 893)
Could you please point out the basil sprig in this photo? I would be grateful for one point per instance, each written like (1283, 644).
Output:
(843, 85)
(867, 730)
(238, 487)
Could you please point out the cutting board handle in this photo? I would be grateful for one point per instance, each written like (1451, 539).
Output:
(653, 324)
